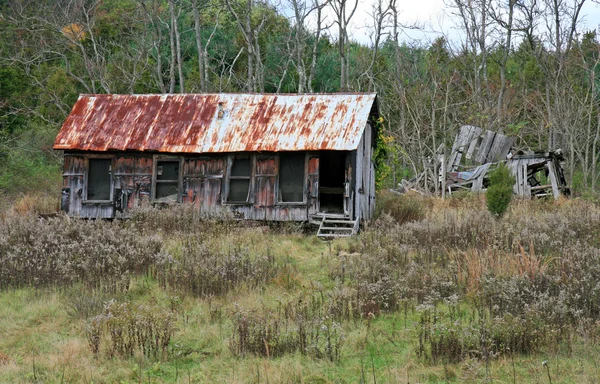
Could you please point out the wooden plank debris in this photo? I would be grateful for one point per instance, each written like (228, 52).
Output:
(466, 138)
(537, 174)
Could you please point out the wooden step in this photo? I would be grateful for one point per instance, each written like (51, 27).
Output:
(339, 221)
(337, 227)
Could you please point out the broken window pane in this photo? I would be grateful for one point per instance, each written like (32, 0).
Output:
(167, 191)
(239, 180)
(98, 183)
(167, 181)
(291, 177)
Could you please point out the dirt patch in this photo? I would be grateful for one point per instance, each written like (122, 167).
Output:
(4, 359)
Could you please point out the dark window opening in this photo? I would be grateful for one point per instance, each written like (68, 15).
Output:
(98, 183)
(241, 167)
(167, 181)
(239, 180)
(291, 177)
(167, 170)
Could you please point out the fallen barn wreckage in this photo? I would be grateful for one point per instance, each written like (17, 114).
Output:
(476, 152)
(262, 157)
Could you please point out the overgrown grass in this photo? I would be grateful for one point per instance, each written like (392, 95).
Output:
(451, 294)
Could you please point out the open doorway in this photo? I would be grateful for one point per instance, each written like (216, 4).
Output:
(331, 181)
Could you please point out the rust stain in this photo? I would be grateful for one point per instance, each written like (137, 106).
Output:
(193, 123)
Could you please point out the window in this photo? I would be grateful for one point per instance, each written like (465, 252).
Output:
(291, 177)
(239, 180)
(98, 179)
(167, 181)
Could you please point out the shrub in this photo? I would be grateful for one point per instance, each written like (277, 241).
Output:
(200, 270)
(61, 251)
(300, 326)
(181, 218)
(500, 192)
(83, 304)
(126, 328)
(443, 340)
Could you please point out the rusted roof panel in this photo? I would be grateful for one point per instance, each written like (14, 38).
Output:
(193, 123)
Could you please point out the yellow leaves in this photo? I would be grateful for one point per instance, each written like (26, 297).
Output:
(74, 32)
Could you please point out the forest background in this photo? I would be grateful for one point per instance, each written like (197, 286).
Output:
(526, 68)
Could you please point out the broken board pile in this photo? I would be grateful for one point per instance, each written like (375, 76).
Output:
(476, 152)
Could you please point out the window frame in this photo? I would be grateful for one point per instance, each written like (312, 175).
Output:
(304, 183)
(155, 160)
(250, 197)
(110, 175)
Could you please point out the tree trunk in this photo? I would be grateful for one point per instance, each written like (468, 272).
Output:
(199, 47)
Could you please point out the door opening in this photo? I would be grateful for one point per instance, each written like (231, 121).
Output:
(331, 181)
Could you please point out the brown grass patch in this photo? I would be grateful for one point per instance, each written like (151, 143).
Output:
(474, 264)
(36, 203)
(70, 354)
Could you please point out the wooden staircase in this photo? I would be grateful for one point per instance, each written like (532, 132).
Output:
(334, 226)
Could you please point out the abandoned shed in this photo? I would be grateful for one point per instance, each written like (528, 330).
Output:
(264, 157)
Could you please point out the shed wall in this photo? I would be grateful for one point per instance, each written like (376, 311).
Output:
(203, 184)
(365, 177)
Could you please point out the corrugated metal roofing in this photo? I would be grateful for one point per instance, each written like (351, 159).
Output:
(209, 123)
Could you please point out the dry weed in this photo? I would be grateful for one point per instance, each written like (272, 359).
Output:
(37, 204)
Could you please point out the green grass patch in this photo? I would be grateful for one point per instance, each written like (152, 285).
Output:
(374, 308)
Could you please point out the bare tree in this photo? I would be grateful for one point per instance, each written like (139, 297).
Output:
(560, 29)
(201, 71)
(503, 15)
(174, 34)
(152, 9)
(319, 6)
(379, 17)
(344, 11)
(251, 32)
(473, 15)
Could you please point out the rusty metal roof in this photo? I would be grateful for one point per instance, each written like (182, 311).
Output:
(210, 123)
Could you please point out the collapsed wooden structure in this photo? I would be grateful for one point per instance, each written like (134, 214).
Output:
(260, 156)
(476, 152)
(539, 174)
(473, 153)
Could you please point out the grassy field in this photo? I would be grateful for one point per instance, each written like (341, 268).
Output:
(432, 291)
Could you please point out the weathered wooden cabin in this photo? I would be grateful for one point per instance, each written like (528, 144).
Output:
(263, 156)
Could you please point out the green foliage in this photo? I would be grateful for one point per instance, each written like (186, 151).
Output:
(500, 192)
(380, 154)
(28, 163)
(12, 83)
(425, 89)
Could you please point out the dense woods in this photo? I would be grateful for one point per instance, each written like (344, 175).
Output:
(524, 68)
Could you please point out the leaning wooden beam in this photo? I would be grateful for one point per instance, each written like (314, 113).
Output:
(552, 174)
(462, 143)
(479, 176)
(541, 187)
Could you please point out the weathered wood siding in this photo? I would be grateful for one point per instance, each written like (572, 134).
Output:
(132, 182)
(72, 192)
(202, 180)
(365, 177)
(203, 184)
